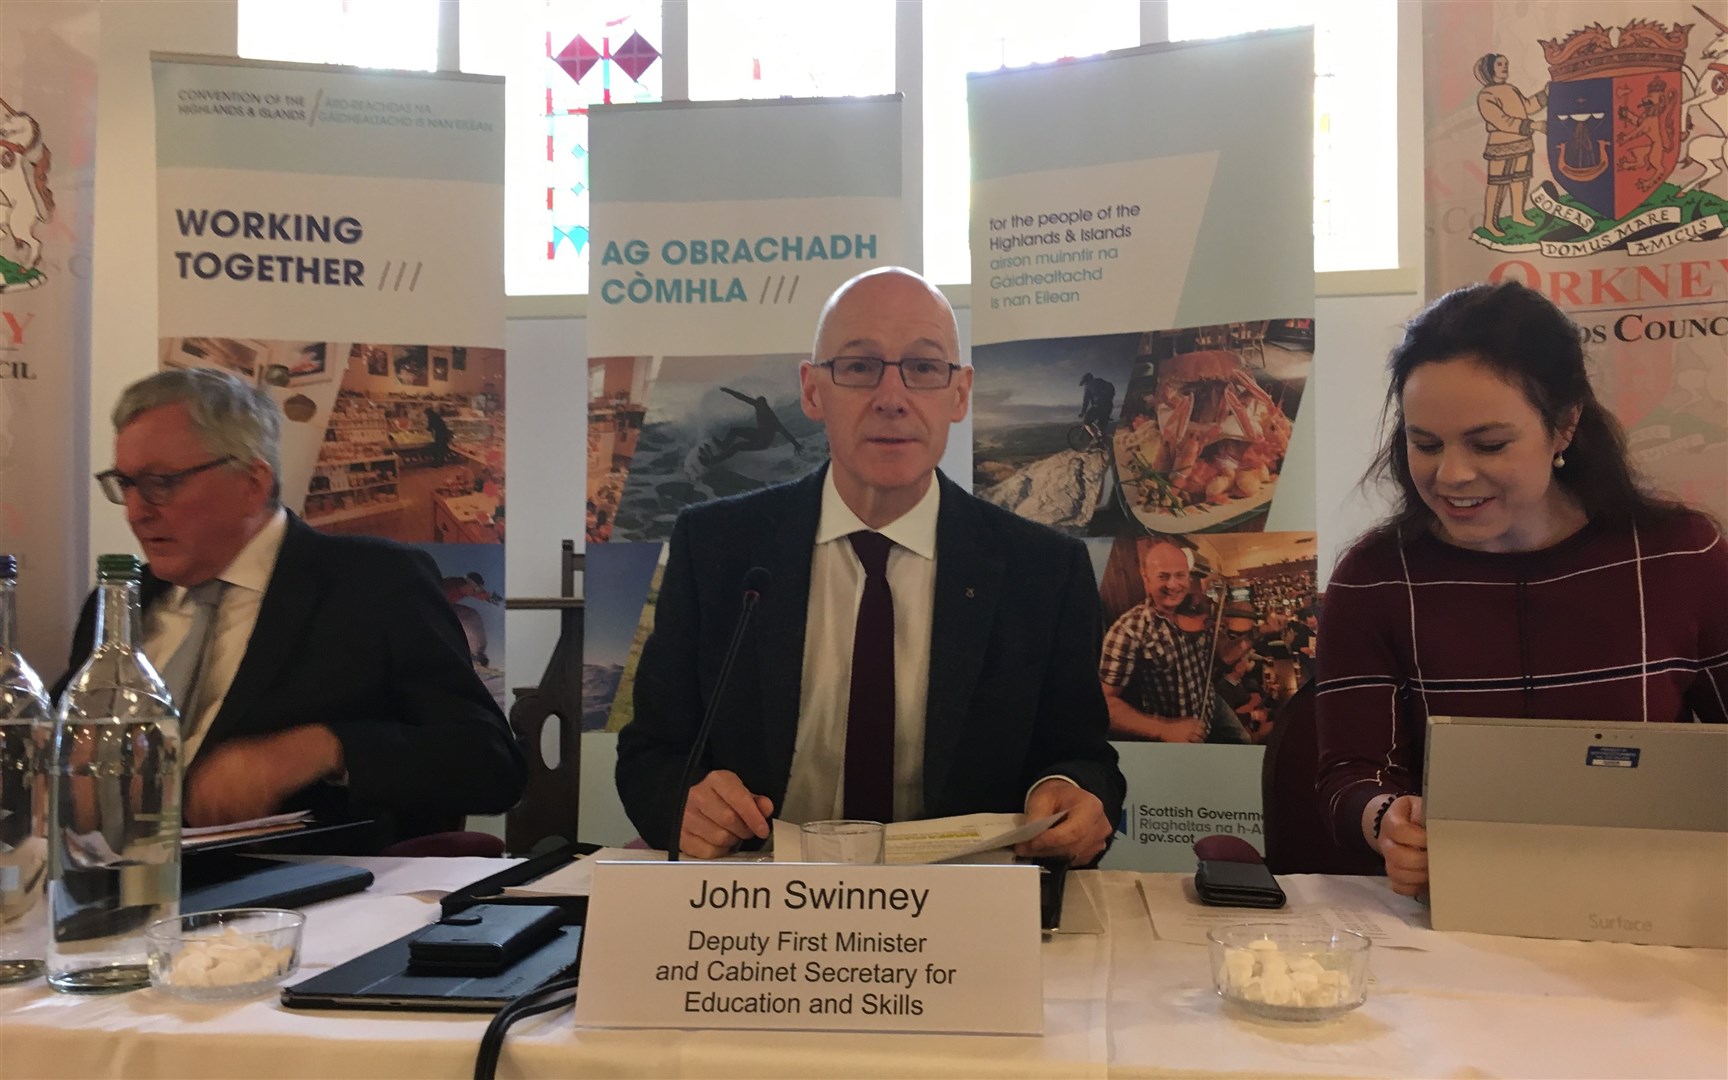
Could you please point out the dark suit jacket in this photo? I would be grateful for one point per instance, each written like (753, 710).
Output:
(355, 633)
(1014, 693)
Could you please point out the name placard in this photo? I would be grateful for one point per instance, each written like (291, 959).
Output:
(798, 946)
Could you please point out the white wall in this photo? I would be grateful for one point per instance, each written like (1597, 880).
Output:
(123, 328)
(547, 390)
(1352, 336)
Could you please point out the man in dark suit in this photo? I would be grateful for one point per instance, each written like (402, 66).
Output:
(312, 671)
(991, 691)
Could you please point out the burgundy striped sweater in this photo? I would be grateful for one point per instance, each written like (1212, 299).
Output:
(1617, 622)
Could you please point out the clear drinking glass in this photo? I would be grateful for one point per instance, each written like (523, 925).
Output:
(844, 841)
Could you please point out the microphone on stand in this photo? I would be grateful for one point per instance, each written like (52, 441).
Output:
(756, 582)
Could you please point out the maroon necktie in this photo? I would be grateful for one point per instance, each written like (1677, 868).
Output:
(870, 706)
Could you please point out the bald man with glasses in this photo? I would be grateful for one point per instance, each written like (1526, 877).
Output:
(313, 672)
(920, 653)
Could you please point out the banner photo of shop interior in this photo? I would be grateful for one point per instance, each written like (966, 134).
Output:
(1168, 431)
(1578, 147)
(294, 253)
(409, 445)
(707, 273)
(296, 374)
(414, 450)
(1140, 382)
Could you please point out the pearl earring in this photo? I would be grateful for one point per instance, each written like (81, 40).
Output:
(1560, 460)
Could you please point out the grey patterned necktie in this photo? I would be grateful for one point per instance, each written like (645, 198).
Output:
(183, 670)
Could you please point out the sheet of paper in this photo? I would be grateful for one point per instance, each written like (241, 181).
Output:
(1079, 913)
(1364, 905)
(950, 839)
(577, 878)
(255, 827)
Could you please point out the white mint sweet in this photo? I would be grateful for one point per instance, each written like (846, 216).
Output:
(229, 960)
(1238, 967)
(1262, 973)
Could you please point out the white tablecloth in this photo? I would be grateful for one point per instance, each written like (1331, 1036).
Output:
(1120, 1004)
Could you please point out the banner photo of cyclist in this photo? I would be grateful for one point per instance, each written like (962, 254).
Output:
(1167, 431)
(1042, 414)
(1143, 334)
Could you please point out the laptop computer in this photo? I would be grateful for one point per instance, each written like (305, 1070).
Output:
(1579, 829)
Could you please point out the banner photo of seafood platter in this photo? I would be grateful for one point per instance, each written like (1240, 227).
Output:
(1205, 423)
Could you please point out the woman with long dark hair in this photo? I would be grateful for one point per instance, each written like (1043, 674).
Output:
(1524, 571)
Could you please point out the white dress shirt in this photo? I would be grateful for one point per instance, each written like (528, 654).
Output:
(170, 617)
(816, 788)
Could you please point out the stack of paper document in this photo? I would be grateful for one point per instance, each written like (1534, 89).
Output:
(245, 830)
(967, 838)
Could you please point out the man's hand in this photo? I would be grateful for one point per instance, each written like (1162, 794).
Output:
(249, 778)
(720, 814)
(1128, 722)
(1080, 836)
(1403, 844)
(1180, 729)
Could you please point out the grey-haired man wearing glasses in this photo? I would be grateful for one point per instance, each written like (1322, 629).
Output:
(312, 671)
(920, 653)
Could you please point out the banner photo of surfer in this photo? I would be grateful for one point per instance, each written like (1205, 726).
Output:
(670, 432)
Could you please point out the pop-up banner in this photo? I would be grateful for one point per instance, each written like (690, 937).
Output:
(47, 168)
(335, 236)
(1143, 332)
(712, 252)
(1578, 148)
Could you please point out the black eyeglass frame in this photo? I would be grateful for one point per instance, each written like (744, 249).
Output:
(882, 369)
(157, 489)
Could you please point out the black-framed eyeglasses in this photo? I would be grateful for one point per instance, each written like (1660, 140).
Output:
(916, 372)
(155, 488)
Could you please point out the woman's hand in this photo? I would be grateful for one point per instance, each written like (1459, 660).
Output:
(1403, 842)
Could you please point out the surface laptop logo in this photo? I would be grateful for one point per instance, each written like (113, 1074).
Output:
(1621, 923)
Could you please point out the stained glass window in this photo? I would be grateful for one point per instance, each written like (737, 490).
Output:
(790, 48)
(962, 36)
(558, 58)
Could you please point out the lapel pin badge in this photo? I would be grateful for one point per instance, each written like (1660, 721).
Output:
(970, 592)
